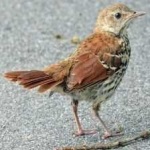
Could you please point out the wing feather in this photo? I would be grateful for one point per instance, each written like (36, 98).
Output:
(95, 62)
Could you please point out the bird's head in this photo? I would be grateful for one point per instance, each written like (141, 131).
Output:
(116, 18)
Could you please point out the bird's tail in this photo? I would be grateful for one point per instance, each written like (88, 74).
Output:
(34, 78)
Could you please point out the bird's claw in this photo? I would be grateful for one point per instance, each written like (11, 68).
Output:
(110, 134)
(84, 132)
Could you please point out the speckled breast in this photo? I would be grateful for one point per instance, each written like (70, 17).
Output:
(101, 91)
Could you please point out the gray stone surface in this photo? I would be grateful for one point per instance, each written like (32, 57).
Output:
(31, 121)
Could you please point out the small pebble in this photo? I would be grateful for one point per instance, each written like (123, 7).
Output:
(58, 36)
(75, 40)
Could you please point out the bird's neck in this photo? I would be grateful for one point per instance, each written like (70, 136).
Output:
(123, 32)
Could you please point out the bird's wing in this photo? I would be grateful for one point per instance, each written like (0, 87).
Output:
(96, 61)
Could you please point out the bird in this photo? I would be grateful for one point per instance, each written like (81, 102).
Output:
(93, 71)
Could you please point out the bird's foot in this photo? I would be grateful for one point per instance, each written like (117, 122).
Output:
(110, 134)
(84, 132)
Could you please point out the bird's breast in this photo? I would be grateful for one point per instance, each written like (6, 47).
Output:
(102, 90)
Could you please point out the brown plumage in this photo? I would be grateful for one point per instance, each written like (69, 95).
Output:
(94, 70)
(30, 79)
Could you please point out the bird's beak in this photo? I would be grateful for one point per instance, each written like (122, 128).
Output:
(137, 14)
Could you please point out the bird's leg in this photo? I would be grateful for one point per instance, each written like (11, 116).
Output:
(75, 113)
(80, 130)
(107, 132)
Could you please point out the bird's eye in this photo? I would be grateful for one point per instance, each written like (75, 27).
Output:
(118, 15)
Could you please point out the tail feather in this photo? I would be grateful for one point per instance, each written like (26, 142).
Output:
(49, 78)
(47, 86)
(32, 79)
(13, 76)
(31, 85)
(33, 74)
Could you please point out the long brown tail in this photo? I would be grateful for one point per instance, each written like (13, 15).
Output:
(32, 79)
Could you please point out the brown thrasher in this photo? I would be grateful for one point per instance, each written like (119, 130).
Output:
(94, 70)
